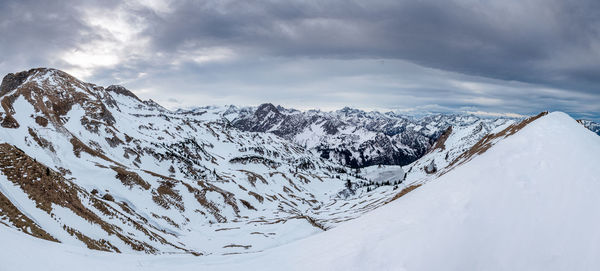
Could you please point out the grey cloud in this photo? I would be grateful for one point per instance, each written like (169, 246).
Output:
(33, 30)
(363, 83)
(527, 41)
(526, 55)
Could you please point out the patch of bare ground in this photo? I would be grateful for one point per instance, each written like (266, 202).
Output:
(200, 195)
(256, 196)
(227, 229)
(9, 121)
(47, 187)
(441, 141)
(41, 121)
(108, 197)
(271, 174)
(404, 192)
(21, 221)
(101, 244)
(302, 178)
(166, 196)
(252, 177)
(161, 176)
(247, 205)
(79, 147)
(166, 218)
(234, 246)
(130, 178)
(41, 141)
(313, 222)
(317, 177)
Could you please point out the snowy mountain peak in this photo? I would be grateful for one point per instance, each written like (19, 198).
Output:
(266, 111)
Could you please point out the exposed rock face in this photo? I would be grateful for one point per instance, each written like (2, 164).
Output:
(122, 90)
(12, 80)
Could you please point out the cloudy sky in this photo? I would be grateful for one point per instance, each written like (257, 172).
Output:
(491, 57)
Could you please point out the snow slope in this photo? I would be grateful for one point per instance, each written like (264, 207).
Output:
(528, 203)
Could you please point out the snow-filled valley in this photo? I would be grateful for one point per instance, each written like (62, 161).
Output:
(93, 178)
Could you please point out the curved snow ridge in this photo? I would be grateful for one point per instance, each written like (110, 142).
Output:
(529, 203)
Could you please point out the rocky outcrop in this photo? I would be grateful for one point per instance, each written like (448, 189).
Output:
(122, 90)
(13, 80)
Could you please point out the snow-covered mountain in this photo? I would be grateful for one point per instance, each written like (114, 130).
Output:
(354, 137)
(593, 126)
(97, 167)
(521, 198)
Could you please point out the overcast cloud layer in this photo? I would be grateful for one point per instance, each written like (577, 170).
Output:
(510, 56)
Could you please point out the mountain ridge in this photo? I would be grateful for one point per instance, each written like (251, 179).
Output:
(349, 136)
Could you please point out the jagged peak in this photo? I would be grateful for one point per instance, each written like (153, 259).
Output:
(264, 109)
(267, 106)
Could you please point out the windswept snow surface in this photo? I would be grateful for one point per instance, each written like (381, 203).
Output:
(528, 203)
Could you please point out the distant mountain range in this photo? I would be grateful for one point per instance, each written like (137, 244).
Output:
(353, 137)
